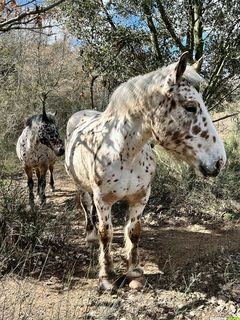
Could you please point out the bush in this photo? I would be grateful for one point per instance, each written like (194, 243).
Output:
(20, 228)
(177, 189)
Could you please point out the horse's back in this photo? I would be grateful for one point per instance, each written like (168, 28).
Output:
(22, 144)
(79, 118)
(31, 153)
(79, 155)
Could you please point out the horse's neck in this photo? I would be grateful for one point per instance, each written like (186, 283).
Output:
(32, 138)
(131, 136)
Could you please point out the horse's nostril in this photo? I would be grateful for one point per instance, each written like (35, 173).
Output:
(219, 164)
(61, 151)
(211, 171)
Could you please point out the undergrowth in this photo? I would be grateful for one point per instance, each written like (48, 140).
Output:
(178, 190)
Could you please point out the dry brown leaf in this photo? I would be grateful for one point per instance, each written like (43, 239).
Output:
(2, 6)
(13, 4)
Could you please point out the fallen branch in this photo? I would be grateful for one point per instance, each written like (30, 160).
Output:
(227, 116)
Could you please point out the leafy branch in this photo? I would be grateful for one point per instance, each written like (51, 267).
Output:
(29, 15)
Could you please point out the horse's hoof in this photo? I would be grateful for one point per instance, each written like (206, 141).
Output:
(136, 272)
(137, 283)
(106, 285)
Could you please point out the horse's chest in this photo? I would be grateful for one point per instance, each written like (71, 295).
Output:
(123, 179)
(37, 155)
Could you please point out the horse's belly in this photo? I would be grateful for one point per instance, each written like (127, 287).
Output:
(36, 157)
(124, 182)
(79, 166)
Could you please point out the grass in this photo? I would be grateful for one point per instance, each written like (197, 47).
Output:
(179, 191)
(45, 258)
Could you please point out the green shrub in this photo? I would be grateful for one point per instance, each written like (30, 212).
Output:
(177, 189)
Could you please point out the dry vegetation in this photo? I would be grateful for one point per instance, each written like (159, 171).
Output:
(190, 242)
(189, 250)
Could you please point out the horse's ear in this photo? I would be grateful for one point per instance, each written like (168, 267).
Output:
(198, 64)
(181, 66)
(28, 122)
(55, 113)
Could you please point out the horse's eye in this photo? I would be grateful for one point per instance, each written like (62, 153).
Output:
(191, 108)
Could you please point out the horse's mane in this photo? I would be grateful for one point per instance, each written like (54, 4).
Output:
(39, 118)
(128, 97)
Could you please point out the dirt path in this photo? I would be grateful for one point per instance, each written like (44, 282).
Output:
(191, 272)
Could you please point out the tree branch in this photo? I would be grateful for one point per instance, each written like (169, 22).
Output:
(153, 31)
(190, 34)
(169, 26)
(109, 18)
(10, 23)
(222, 99)
(227, 116)
(198, 29)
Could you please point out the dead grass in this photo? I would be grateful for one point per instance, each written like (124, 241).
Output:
(189, 250)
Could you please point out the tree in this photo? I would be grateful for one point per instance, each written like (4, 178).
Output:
(32, 68)
(123, 38)
(25, 16)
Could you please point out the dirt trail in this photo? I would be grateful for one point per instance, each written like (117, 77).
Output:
(180, 262)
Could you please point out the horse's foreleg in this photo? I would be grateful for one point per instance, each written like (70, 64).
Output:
(132, 236)
(42, 184)
(38, 177)
(29, 173)
(51, 178)
(105, 232)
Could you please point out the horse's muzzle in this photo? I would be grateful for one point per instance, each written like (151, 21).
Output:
(60, 152)
(211, 171)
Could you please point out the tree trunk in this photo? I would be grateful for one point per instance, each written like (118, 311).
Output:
(198, 29)
(169, 26)
(153, 31)
(190, 34)
(93, 78)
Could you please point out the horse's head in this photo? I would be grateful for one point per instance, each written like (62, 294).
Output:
(48, 133)
(186, 128)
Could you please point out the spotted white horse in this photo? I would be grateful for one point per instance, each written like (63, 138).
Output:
(109, 155)
(37, 148)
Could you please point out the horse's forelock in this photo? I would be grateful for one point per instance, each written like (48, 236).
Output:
(193, 77)
(38, 118)
(30, 120)
(51, 117)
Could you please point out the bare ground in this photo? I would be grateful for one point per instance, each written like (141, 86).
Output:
(192, 271)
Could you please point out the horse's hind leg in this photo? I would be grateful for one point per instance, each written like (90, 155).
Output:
(42, 184)
(85, 203)
(105, 232)
(51, 178)
(38, 177)
(132, 236)
(29, 172)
